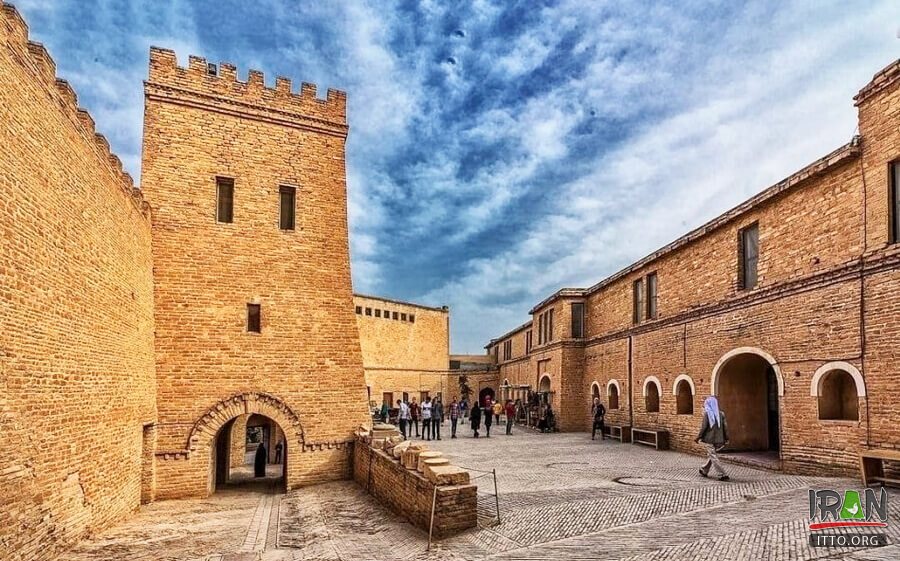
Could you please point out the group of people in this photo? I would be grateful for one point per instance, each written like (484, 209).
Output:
(713, 433)
(430, 415)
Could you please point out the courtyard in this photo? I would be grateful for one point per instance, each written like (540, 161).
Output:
(561, 496)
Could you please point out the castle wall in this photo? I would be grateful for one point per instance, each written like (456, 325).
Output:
(77, 382)
(200, 126)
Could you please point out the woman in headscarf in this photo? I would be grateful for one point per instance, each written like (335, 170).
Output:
(714, 435)
(475, 417)
(259, 461)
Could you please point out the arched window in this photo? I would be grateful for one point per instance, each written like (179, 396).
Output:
(595, 391)
(651, 399)
(612, 394)
(684, 398)
(838, 387)
(837, 397)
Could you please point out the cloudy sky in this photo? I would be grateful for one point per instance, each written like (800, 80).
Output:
(501, 150)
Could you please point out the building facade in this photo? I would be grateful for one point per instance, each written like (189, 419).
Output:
(146, 332)
(786, 307)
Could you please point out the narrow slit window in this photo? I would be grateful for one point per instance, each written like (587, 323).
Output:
(749, 250)
(254, 318)
(638, 301)
(224, 199)
(288, 196)
(895, 202)
(577, 320)
(652, 283)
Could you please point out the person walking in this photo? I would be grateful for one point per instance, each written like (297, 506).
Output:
(426, 418)
(488, 418)
(414, 412)
(475, 418)
(714, 436)
(278, 448)
(510, 415)
(385, 411)
(454, 417)
(464, 409)
(498, 410)
(403, 417)
(260, 460)
(598, 412)
(437, 417)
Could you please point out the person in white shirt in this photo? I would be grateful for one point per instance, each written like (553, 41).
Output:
(403, 416)
(426, 418)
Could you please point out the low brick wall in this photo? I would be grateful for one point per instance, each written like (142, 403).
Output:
(409, 493)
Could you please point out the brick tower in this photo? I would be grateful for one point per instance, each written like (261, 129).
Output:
(253, 302)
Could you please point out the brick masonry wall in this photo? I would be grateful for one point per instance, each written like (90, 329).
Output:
(403, 356)
(307, 358)
(810, 308)
(76, 322)
(410, 495)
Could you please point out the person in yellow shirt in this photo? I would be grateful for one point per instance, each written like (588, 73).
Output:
(498, 409)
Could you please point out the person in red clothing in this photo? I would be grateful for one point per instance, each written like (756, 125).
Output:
(510, 415)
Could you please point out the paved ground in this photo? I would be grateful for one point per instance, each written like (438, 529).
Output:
(561, 497)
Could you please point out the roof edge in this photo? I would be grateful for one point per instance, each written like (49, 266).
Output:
(445, 309)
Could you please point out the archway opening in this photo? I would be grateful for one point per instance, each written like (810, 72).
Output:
(250, 452)
(651, 400)
(613, 396)
(684, 398)
(595, 391)
(838, 397)
(748, 388)
(484, 394)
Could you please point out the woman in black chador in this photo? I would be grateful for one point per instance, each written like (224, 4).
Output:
(259, 462)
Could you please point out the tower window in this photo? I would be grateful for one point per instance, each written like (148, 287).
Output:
(254, 319)
(894, 181)
(288, 197)
(224, 199)
(652, 284)
(638, 301)
(577, 319)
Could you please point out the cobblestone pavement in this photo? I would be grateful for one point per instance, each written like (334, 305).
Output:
(561, 497)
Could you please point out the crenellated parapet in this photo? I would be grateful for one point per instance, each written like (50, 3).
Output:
(36, 60)
(217, 87)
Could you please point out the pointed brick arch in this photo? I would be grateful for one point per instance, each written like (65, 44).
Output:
(205, 429)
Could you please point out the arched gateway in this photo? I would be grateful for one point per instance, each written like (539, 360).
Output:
(749, 385)
(211, 435)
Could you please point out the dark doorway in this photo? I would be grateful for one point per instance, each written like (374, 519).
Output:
(235, 450)
(485, 393)
(747, 388)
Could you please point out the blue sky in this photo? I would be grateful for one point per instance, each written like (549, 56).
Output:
(499, 151)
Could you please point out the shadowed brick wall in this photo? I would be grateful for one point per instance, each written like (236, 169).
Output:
(76, 320)
(306, 362)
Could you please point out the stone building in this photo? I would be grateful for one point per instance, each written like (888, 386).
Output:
(143, 331)
(787, 307)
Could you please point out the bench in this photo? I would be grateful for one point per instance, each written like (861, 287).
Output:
(622, 433)
(657, 438)
(871, 463)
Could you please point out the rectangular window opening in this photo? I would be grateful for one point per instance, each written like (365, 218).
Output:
(652, 282)
(412, 318)
(396, 315)
(359, 309)
(368, 311)
(577, 320)
(749, 256)
(287, 196)
(224, 199)
(402, 317)
(895, 201)
(254, 319)
(377, 313)
(638, 301)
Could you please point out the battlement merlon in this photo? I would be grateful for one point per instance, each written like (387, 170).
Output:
(217, 88)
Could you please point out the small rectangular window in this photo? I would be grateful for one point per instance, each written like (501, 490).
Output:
(749, 256)
(895, 202)
(224, 199)
(577, 320)
(652, 283)
(288, 196)
(638, 301)
(377, 313)
(540, 329)
(254, 319)
(387, 314)
(528, 341)
(368, 311)
(396, 315)
(402, 317)
(412, 318)
(359, 309)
